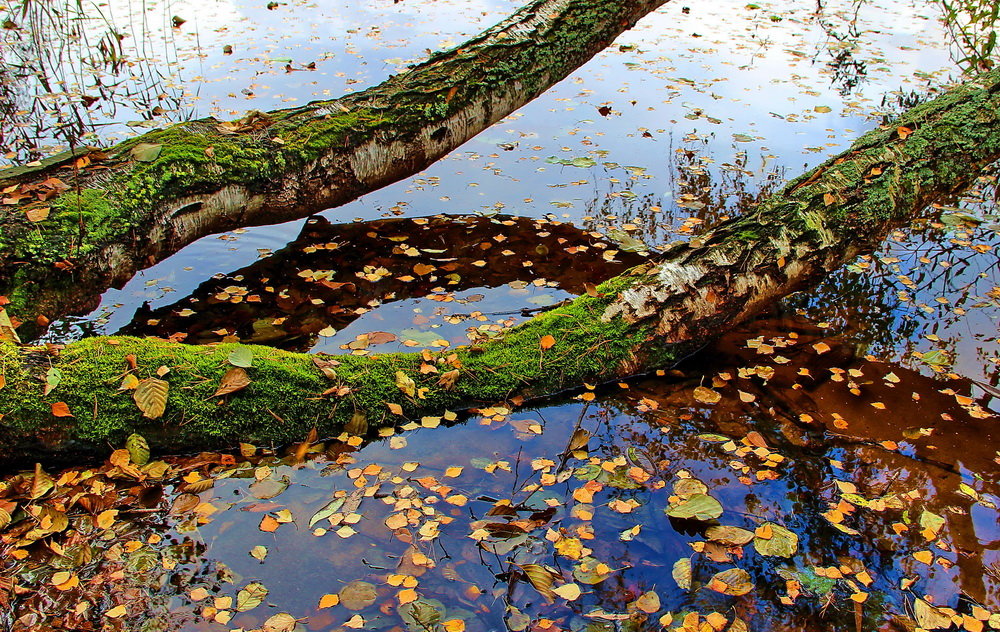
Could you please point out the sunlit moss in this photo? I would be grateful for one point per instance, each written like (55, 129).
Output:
(286, 397)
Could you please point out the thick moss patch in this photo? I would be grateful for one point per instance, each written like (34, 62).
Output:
(286, 397)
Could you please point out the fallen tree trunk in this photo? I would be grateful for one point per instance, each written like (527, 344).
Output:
(118, 211)
(649, 317)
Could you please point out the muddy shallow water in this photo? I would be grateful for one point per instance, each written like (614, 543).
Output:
(850, 436)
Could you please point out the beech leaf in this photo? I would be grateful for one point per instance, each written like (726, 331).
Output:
(732, 581)
(782, 543)
(138, 449)
(250, 596)
(145, 152)
(682, 573)
(541, 579)
(151, 397)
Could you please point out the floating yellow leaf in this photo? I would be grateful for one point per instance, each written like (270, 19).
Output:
(407, 595)
(706, 395)
(569, 592)
(925, 557)
(268, 524)
(454, 625)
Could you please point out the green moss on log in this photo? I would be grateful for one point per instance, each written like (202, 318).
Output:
(285, 398)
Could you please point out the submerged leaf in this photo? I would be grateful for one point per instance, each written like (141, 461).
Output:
(782, 543)
(729, 536)
(421, 615)
(357, 595)
(281, 622)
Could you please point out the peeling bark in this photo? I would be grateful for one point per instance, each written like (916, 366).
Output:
(646, 318)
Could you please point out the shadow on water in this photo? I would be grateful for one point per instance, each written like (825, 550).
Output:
(332, 274)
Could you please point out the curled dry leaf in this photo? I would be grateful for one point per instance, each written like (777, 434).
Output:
(448, 380)
(406, 384)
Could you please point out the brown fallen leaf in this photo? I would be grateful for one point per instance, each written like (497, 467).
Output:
(235, 379)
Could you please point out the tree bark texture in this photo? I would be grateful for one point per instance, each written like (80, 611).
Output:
(647, 318)
(114, 212)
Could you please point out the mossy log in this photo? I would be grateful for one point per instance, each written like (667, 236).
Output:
(119, 210)
(646, 318)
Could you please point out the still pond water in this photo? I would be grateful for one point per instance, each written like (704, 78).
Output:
(833, 466)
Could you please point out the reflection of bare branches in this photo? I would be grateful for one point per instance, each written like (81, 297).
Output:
(842, 45)
(64, 72)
